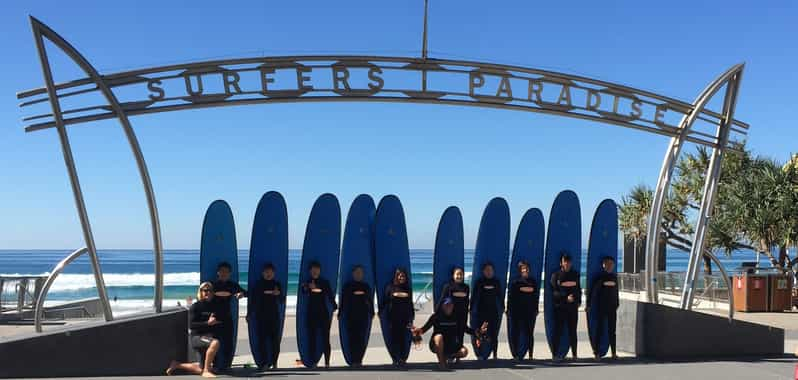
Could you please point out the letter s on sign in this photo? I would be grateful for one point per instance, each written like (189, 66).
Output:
(157, 92)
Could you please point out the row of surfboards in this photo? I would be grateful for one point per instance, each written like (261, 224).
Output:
(376, 239)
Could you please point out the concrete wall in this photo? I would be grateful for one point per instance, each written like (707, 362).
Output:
(141, 345)
(662, 332)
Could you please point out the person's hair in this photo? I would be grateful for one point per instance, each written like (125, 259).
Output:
(267, 266)
(224, 264)
(314, 264)
(608, 258)
(488, 264)
(565, 257)
(522, 263)
(397, 272)
(356, 267)
(206, 284)
(456, 268)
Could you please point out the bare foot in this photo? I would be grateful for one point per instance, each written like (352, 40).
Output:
(208, 374)
(171, 370)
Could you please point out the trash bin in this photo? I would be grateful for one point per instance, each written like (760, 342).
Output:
(780, 293)
(750, 292)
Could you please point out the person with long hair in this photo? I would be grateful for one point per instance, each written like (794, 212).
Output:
(459, 293)
(398, 304)
(204, 336)
(522, 307)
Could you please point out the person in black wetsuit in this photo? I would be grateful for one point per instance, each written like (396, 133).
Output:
(204, 334)
(522, 307)
(489, 303)
(320, 294)
(447, 340)
(226, 291)
(265, 301)
(567, 296)
(357, 306)
(398, 306)
(605, 289)
(459, 292)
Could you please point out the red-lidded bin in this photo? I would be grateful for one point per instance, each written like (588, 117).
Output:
(750, 292)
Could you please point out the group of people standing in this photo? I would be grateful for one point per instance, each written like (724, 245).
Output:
(211, 320)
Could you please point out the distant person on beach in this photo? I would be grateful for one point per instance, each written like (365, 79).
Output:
(605, 289)
(522, 307)
(265, 300)
(447, 341)
(487, 299)
(226, 291)
(459, 292)
(321, 299)
(357, 306)
(567, 295)
(398, 306)
(204, 334)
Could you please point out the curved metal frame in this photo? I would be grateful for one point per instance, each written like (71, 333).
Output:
(731, 78)
(38, 312)
(41, 31)
(726, 278)
(424, 65)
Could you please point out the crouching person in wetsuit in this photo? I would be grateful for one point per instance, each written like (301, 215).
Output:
(489, 301)
(225, 291)
(567, 294)
(320, 295)
(522, 307)
(605, 290)
(398, 306)
(204, 334)
(447, 341)
(265, 301)
(357, 307)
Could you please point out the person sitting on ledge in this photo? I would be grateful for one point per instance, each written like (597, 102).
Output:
(204, 334)
(447, 342)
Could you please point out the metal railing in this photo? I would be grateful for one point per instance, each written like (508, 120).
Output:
(424, 294)
(39, 310)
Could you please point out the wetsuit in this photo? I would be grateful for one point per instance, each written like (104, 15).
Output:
(358, 309)
(605, 290)
(448, 326)
(489, 304)
(522, 306)
(460, 303)
(202, 334)
(400, 315)
(564, 284)
(224, 314)
(318, 320)
(264, 310)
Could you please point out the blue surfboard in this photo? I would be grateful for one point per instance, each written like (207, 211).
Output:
(564, 235)
(529, 245)
(323, 245)
(357, 249)
(493, 246)
(603, 242)
(448, 252)
(269, 244)
(392, 252)
(218, 245)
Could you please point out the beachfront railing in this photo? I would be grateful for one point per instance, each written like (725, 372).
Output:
(38, 312)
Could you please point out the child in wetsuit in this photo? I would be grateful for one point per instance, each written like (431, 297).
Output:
(265, 301)
(522, 307)
(489, 301)
(605, 289)
(203, 336)
(459, 292)
(320, 294)
(567, 296)
(398, 306)
(447, 339)
(357, 308)
(225, 292)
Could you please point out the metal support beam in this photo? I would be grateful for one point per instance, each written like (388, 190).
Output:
(666, 172)
(69, 161)
(710, 191)
(424, 42)
(42, 30)
(38, 311)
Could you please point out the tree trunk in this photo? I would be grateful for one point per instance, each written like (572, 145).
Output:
(707, 264)
(783, 259)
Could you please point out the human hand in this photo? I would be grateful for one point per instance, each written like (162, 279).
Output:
(212, 320)
(570, 298)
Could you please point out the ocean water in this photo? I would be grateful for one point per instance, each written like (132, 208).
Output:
(129, 273)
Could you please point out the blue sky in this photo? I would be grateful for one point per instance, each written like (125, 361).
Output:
(431, 156)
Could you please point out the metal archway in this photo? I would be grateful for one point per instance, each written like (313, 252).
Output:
(335, 78)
